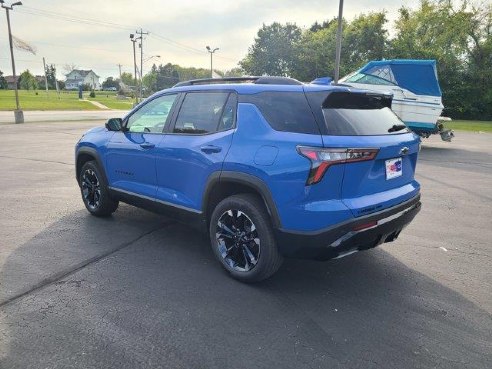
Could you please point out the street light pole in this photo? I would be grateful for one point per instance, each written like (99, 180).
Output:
(18, 114)
(211, 51)
(151, 57)
(339, 41)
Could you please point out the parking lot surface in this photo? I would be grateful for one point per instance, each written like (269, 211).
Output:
(138, 290)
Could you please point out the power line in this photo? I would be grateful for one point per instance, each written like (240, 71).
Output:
(74, 19)
(80, 47)
(177, 44)
(186, 47)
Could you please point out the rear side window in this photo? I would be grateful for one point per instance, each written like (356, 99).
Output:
(205, 112)
(284, 111)
(355, 114)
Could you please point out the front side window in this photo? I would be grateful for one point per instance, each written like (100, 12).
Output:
(153, 116)
(203, 112)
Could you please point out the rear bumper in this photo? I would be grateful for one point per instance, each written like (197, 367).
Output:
(355, 235)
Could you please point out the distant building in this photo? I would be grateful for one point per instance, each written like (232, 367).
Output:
(40, 80)
(82, 77)
(11, 82)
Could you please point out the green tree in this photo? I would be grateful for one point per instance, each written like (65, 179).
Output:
(234, 72)
(274, 51)
(458, 38)
(27, 81)
(110, 82)
(167, 76)
(316, 55)
(127, 79)
(185, 74)
(286, 50)
(364, 38)
(150, 79)
(479, 71)
(3, 82)
(51, 76)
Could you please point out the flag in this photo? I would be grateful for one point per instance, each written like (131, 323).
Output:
(22, 45)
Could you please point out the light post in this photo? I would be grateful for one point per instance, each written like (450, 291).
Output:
(18, 114)
(152, 57)
(211, 51)
(339, 42)
(134, 39)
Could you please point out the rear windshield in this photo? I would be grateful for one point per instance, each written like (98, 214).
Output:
(354, 114)
(284, 111)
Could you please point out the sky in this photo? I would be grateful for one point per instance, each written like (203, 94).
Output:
(94, 34)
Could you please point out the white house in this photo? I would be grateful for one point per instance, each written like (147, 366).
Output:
(82, 77)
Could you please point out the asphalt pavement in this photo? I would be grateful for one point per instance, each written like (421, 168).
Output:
(139, 290)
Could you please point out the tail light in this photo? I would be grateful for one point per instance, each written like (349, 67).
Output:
(321, 159)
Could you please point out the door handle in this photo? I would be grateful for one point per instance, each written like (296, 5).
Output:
(147, 145)
(210, 149)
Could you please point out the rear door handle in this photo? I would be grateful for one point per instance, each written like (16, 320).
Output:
(147, 145)
(210, 149)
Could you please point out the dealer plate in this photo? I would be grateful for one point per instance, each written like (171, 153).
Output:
(394, 168)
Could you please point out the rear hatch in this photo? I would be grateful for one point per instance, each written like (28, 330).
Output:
(362, 122)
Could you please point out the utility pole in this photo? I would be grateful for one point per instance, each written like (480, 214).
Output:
(119, 66)
(56, 83)
(133, 39)
(339, 42)
(18, 113)
(141, 33)
(211, 51)
(45, 76)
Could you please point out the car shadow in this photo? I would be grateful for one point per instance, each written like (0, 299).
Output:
(138, 290)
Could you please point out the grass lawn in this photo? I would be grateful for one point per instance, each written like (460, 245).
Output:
(69, 100)
(109, 99)
(469, 125)
(30, 101)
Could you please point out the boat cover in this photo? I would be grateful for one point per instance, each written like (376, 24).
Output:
(417, 76)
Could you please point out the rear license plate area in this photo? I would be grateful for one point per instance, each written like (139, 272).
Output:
(394, 168)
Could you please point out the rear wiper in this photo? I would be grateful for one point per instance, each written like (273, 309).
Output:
(397, 127)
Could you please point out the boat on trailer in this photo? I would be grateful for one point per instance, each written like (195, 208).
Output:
(414, 84)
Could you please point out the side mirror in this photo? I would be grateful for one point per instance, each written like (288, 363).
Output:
(114, 124)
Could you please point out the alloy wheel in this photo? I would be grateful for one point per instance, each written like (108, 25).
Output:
(91, 189)
(237, 240)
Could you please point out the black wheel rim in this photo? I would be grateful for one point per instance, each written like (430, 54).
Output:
(237, 240)
(91, 189)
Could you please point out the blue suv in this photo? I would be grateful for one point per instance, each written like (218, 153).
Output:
(269, 167)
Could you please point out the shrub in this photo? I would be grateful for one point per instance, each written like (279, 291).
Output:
(92, 94)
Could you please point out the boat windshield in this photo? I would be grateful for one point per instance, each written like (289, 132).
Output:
(367, 79)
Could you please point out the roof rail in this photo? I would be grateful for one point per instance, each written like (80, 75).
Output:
(257, 80)
(267, 80)
(205, 81)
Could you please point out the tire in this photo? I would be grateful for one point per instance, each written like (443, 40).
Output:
(243, 241)
(94, 191)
